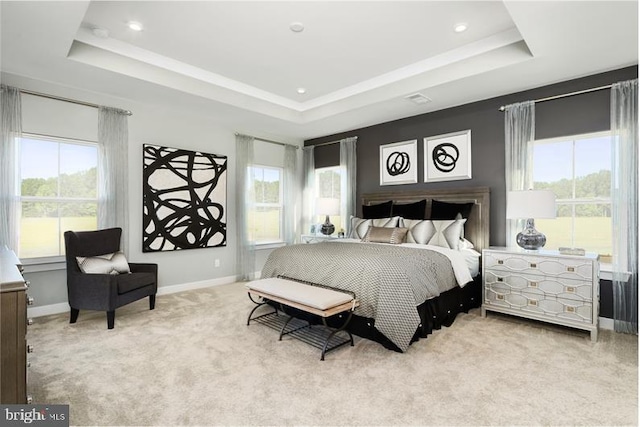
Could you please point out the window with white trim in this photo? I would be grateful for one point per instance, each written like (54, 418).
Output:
(578, 170)
(265, 219)
(58, 192)
(328, 186)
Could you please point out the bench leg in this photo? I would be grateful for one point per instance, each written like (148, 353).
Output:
(334, 332)
(258, 305)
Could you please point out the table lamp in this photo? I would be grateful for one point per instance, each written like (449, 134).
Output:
(327, 206)
(530, 204)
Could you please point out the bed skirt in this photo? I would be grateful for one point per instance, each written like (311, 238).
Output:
(434, 314)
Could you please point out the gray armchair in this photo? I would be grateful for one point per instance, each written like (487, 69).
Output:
(104, 292)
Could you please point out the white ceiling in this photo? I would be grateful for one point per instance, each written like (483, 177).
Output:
(239, 62)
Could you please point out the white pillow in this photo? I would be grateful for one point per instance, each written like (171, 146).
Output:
(444, 233)
(359, 226)
(114, 263)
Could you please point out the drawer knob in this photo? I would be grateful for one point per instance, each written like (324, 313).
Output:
(30, 348)
(29, 321)
(30, 300)
(571, 269)
(533, 284)
(571, 289)
(28, 283)
(533, 302)
(533, 265)
(500, 279)
(500, 297)
(571, 309)
(29, 399)
(500, 262)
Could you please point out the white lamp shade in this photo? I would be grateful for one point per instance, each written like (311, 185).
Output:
(531, 204)
(327, 206)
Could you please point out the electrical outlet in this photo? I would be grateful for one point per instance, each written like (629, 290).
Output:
(217, 263)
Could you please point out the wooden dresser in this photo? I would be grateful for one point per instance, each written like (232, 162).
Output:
(13, 330)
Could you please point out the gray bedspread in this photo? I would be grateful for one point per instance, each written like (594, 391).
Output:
(389, 281)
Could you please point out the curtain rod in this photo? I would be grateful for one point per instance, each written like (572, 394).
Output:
(270, 141)
(72, 101)
(565, 95)
(329, 143)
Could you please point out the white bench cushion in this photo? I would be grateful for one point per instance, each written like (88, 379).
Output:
(312, 296)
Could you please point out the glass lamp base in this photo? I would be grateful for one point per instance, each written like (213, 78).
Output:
(327, 227)
(530, 238)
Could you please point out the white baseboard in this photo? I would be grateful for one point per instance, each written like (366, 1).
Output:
(63, 307)
(605, 323)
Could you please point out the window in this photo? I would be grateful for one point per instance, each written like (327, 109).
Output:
(578, 170)
(265, 220)
(58, 192)
(328, 185)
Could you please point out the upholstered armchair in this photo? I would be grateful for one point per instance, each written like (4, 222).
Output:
(100, 278)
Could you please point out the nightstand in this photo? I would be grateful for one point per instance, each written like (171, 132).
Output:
(542, 285)
(315, 238)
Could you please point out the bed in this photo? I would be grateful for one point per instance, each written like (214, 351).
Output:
(405, 290)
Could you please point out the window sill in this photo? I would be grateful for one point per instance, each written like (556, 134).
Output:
(269, 245)
(36, 265)
(606, 272)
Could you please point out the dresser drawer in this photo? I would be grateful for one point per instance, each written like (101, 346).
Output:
(568, 268)
(539, 304)
(551, 286)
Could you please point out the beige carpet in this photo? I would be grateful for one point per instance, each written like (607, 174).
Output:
(193, 361)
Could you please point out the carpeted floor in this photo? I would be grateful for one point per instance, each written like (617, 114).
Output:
(193, 361)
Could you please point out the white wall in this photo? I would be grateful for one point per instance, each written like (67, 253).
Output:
(159, 125)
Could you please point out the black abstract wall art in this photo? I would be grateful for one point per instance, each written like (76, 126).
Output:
(184, 199)
(399, 163)
(447, 157)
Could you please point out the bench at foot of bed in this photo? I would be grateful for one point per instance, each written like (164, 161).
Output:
(313, 299)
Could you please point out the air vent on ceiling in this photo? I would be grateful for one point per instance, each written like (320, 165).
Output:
(418, 98)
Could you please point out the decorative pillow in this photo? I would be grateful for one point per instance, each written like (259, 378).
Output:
(410, 210)
(386, 222)
(394, 235)
(381, 210)
(446, 210)
(445, 233)
(114, 263)
(358, 227)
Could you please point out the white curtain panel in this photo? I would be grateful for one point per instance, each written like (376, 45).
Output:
(308, 192)
(348, 176)
(519, 134)
(11, 130)
(624, 205)
(113, 171)
(245, 248)
(291, 191)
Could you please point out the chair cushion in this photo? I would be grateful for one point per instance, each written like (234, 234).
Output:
(115, 263)
(133, 281)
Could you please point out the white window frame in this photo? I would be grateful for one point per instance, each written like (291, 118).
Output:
(573, 202)
(53, 262)
(280, 205)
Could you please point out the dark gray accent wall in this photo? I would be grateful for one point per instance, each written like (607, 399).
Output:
(567, 116)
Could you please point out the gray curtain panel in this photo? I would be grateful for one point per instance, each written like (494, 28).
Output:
(245, 252)
(348, 176)
(10, 132)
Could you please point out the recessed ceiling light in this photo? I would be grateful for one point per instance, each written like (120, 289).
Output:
(296, 27)
(459, 28)
(301, 90)
(134, 25)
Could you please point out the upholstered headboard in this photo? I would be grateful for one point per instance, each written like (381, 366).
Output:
(476, 227)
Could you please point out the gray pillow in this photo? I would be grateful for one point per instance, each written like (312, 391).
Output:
(360, 226)
(115, 263)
